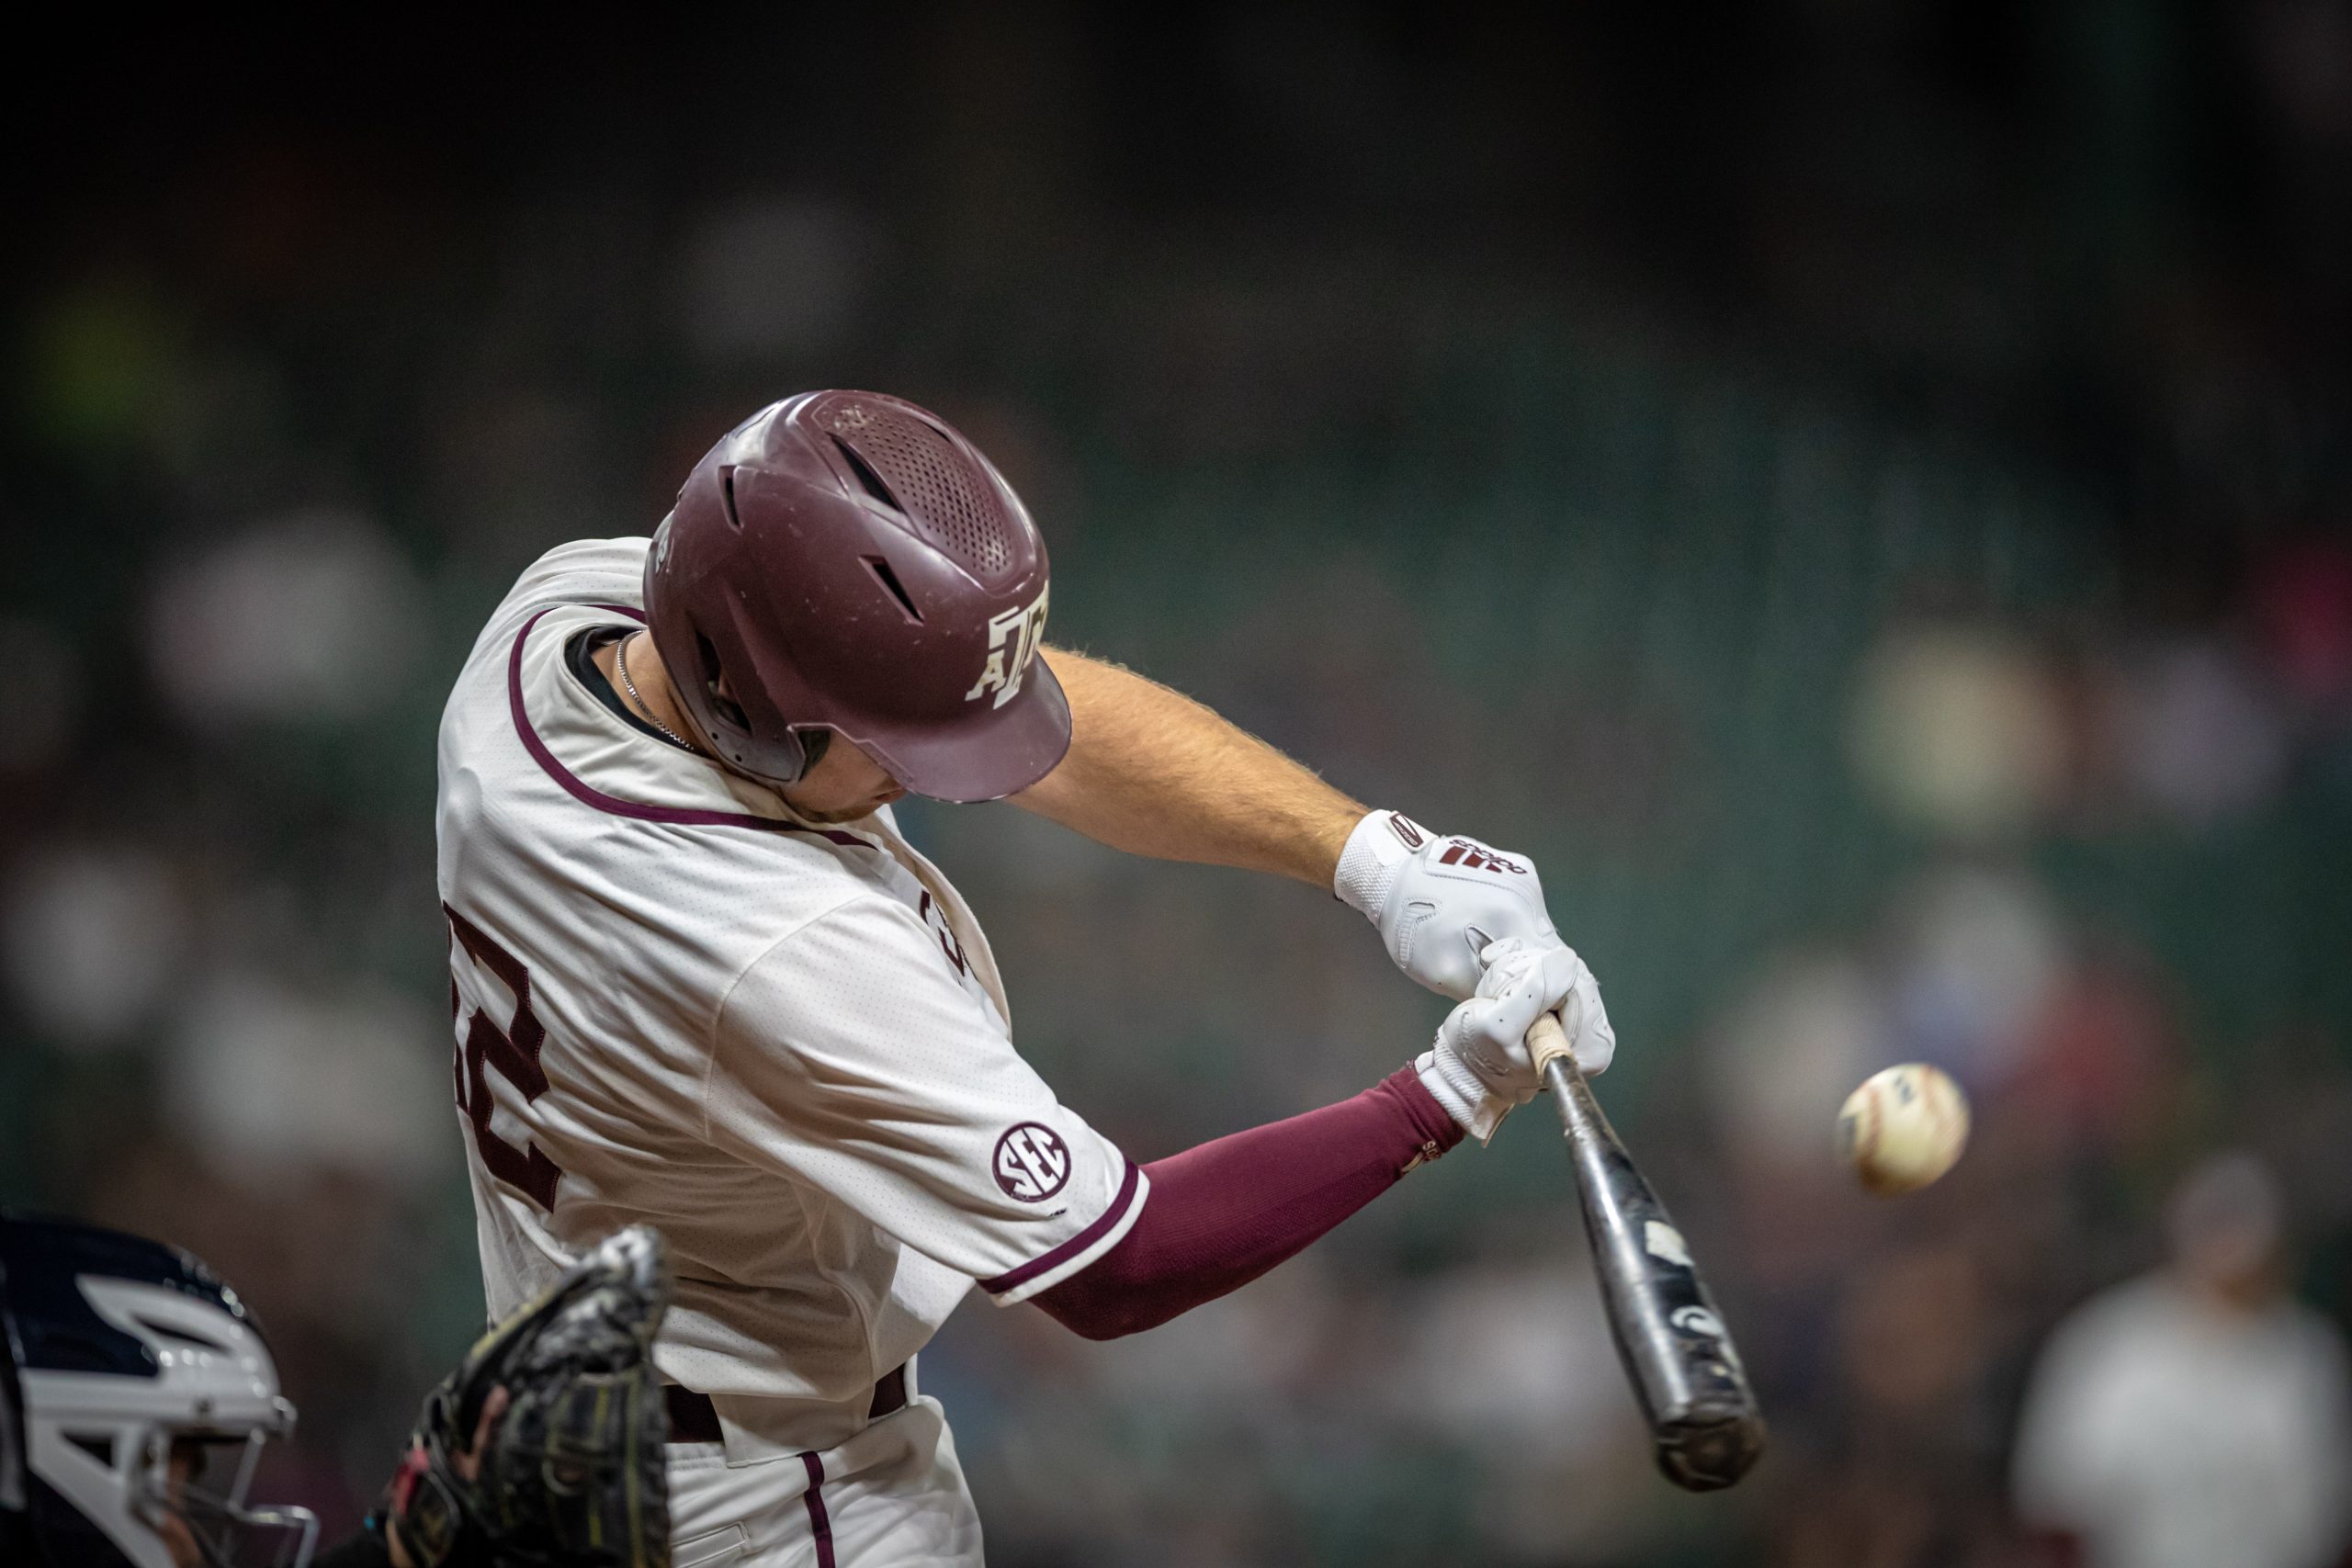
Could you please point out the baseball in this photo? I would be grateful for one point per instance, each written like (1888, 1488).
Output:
(1904, 1128)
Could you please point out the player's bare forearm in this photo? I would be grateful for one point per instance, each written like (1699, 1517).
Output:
(1153, 773)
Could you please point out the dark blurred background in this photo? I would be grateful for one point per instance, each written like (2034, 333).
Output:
(1858, 488)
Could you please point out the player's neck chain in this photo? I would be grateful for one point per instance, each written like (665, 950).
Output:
(620, 662)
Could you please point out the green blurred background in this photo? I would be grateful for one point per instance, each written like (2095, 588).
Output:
(1856, 488)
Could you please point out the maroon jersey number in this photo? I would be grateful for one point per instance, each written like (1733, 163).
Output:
(514, 1051)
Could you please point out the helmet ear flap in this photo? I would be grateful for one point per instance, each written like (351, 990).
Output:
(806, 745)
(712, 680)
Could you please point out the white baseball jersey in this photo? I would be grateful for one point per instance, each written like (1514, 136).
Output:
(786, 1045)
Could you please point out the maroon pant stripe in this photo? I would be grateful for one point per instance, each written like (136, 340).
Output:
(819, 1524)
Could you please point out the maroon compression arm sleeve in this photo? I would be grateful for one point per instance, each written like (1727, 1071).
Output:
(1221, 1215)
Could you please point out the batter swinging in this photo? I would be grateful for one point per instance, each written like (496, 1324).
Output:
(699, 980)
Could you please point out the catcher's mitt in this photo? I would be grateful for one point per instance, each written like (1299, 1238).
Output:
(571, 1475)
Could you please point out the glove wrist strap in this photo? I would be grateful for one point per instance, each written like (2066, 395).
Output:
(1382, 842)
(1464, 1095)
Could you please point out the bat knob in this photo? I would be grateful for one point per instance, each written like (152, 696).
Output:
(1709, 1453)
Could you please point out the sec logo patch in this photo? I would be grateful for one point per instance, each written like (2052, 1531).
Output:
(1032, 1163)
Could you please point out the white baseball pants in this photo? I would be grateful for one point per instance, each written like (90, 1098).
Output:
(892, 1496)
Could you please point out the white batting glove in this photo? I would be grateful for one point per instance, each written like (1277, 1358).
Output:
(1479, 1066)
(1438, 900)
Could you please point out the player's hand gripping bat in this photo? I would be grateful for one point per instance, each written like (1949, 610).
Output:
(1703, 1421)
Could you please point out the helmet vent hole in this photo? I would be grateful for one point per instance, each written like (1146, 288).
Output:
(867, 477)
(726, 498)
(950, 496)
(182, 1335)
(889, 581)
(99, 1446)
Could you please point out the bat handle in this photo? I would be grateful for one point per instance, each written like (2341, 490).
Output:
(1547, 1041)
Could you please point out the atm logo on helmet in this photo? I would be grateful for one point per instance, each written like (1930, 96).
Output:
(1013, 638)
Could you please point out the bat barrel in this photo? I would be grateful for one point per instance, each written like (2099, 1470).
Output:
(1705, 1424)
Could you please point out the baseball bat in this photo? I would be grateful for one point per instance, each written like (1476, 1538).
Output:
(1705, 1424)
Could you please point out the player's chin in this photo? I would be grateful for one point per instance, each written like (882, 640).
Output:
(865, 808)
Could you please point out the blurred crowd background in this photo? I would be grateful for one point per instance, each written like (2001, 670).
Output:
(1861, 490)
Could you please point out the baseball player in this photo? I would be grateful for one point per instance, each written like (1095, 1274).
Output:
(137, 1394)
(699, 980)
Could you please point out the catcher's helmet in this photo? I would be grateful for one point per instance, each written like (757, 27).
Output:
(125, 1362)
(847, 562)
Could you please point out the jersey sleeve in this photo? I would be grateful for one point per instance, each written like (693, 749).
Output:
(849, 1056)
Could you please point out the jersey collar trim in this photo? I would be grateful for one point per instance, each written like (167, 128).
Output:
(588, 794)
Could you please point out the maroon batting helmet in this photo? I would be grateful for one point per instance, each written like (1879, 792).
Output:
(846, 561)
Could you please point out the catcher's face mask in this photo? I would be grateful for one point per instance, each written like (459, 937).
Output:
(138, 1397)
(195, 1500)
